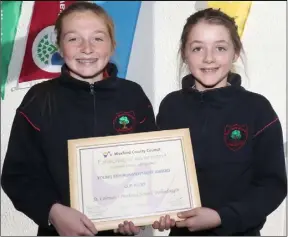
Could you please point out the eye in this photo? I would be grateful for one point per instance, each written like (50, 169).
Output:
(98, 39)
(221, 49)
(196, 49)
(72, 39)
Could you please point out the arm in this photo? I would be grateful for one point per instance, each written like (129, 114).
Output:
(166, 114)
(146, 116)
(269, 186)
(25, 178)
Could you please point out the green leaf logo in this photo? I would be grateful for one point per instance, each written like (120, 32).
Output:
(45, 49)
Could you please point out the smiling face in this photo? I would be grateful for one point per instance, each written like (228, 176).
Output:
(209, 54)
(85, 45)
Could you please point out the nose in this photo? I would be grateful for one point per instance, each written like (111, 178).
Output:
(86, 47)
(209, 56)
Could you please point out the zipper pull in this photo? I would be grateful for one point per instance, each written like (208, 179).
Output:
(202, 100)
(92, 89)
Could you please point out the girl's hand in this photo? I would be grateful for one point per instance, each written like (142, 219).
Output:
(165, 223)
(128, 228)
(197, 219)
(70, 222)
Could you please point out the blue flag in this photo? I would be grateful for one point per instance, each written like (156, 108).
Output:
(125, 16)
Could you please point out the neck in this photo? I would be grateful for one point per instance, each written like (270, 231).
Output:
(200, 87)
(91, 80)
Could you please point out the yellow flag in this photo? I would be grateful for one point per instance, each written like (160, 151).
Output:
(236, 9)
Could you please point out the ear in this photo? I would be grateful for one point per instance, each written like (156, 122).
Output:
(112, 51)
(60, 52)
(236, 56)
(185, 60)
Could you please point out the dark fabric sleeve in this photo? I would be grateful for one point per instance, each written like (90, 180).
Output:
(164, 119)
(145, 114)
(25, 178)
(269, 186)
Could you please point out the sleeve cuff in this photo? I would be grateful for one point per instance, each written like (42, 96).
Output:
(229, 222)
(48, 218)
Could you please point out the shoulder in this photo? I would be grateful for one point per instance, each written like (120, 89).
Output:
(130, 88)
(128, 84)
(37, 95)
(264, 114)
(35, 103)
(259, 102)
(172, 98)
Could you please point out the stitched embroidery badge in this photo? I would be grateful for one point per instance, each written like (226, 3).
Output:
(124, 122)
(235, 136)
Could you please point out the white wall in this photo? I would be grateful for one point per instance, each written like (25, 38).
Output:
(154, 66)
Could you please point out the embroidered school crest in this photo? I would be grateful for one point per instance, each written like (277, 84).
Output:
(235, 136)
(124, 122)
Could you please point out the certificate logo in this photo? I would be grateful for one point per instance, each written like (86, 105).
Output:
(106, 154)
(235, 136)
(124, 122)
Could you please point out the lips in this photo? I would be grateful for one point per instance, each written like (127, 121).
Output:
(86, 60)
(207, 70)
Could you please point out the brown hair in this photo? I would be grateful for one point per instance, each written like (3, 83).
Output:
(211, 16)
(81, 6)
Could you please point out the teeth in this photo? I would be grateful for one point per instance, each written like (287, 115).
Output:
(86, 60)
(209, 69)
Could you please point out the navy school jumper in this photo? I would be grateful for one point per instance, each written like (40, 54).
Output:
(35, 170)
(238, 147)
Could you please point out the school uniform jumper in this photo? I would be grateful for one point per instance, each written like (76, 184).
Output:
(35, 170)
(238, 148)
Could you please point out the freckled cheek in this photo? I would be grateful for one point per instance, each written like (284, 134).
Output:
(69, 52)
(103, 51)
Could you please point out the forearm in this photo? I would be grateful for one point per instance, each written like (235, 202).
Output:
(268, 187)
(32, 197)
(25, 178)
(252, 209)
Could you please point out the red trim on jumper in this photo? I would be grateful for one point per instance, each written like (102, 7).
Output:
(266, 126)
(105, 74)
(143, 120)
(29, 121)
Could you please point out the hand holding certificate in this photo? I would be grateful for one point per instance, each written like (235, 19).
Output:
(136, 177)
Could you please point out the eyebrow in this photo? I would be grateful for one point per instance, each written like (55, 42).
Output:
(218, 41)
(96, 31)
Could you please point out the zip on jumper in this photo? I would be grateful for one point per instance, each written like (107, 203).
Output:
(92, 89)
(94, 108)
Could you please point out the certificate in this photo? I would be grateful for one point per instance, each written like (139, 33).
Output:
(135, 177)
